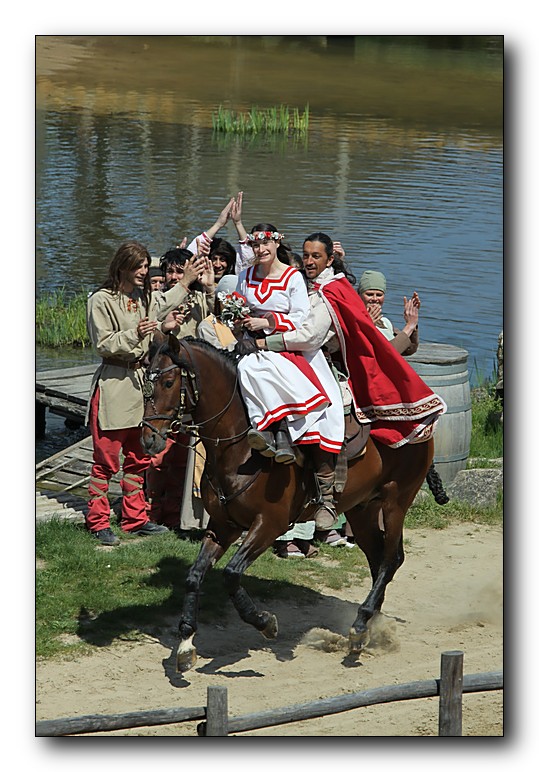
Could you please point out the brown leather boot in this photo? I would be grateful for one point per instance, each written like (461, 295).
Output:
(326, 515)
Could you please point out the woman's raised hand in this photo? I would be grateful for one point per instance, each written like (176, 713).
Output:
(338, 250)
(235, 214)
(225, 214)
(411, 310)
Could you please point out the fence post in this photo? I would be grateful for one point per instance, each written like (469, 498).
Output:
(217, 712)
(450, 707)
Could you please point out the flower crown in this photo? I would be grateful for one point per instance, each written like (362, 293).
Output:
(233, 308)
(263, 235)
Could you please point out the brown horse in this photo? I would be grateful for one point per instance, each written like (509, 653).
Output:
(243, 491)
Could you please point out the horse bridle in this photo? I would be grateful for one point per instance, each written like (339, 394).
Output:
(188, 382)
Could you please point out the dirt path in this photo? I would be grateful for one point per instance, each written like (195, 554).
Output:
(447, 596)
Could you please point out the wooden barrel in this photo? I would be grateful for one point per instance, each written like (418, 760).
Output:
(445, 369)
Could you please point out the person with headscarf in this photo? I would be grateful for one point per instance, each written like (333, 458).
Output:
(372, 291)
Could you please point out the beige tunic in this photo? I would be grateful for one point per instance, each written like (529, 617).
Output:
(112, 326)
(200, 305)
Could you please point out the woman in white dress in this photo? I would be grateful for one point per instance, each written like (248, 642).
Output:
(291, 397)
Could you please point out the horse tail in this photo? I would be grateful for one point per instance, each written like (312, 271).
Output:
(435, 484)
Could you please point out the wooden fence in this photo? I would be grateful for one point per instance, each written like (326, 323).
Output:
(449, 688)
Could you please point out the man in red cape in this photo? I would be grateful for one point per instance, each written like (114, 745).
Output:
(387, 391)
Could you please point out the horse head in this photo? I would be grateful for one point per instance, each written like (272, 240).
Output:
(172, 388)
(170, 391)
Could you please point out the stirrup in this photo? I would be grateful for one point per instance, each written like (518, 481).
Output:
(284, 454)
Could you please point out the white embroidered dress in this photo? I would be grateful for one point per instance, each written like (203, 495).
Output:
(272, 386)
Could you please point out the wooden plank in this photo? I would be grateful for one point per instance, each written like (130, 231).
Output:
(86, 442)
(66, 372)
(67, 396)
(76, 406)
(411, 691)
(58, 727)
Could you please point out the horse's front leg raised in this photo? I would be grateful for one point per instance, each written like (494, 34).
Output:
(210, 552)
(255, 543)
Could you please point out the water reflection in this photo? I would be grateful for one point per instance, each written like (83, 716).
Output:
(403, 161)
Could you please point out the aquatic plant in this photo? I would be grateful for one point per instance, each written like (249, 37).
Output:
(61, 320)
(270, 120)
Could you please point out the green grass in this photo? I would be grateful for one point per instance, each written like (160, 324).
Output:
(88, 596)
(61, 320)
(487, 433)
(270, 120)
(426, 513)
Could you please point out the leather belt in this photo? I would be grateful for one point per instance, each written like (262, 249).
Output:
(133, 365)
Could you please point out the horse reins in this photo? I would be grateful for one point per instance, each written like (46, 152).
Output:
(177, 425)
(187, 375)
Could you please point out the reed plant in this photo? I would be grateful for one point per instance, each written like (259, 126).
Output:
(61, 320)
(271, 120)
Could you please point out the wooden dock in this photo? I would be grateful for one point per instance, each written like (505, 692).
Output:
(64, 392)
(62, 479)
(62, 482)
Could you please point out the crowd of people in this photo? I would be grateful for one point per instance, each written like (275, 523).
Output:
(305, 338)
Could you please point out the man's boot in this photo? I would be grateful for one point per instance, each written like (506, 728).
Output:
(326, 515)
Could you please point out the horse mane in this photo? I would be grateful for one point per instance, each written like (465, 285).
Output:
(224, 357)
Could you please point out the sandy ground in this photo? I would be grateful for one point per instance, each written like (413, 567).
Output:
(447, 596)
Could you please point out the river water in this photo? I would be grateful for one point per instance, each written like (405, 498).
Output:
(403, 161)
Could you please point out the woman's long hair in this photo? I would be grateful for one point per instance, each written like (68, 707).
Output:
(225, 249)
(284, 250)
(338, 265)
(128, 258)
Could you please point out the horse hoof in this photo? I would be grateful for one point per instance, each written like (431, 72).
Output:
(186, 656)
(272, 628)
(358, 641)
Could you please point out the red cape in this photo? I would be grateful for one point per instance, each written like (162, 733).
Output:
(388, 392)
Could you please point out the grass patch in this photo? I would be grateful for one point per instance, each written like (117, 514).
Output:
(61, 320)
(426, 513)
(270, 120)
(88, 596)
(487, 432)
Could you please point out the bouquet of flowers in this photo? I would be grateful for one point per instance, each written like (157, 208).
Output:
(233, 308)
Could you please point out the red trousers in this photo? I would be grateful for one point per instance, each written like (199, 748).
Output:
(106, 462)
(165, 480)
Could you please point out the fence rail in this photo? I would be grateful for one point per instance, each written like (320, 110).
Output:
(449, 688)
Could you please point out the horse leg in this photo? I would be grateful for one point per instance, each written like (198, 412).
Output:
(211, 550)
(383, 562)
(255, 543)
(364, 521)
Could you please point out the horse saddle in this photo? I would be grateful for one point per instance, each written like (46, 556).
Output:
(355, 437)
(354, 446)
